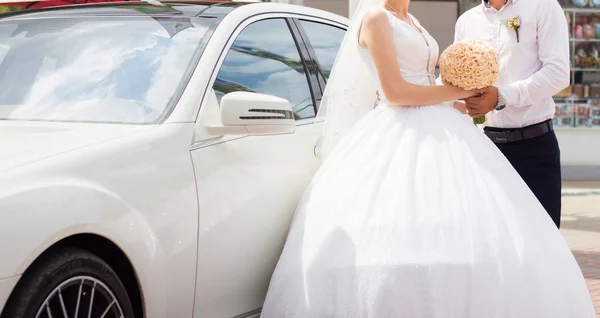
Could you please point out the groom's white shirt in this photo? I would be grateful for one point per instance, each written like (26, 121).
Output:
(532, 70)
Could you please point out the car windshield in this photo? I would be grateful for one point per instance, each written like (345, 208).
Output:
(127, 70)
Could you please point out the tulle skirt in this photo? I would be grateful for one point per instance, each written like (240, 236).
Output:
(417, 214)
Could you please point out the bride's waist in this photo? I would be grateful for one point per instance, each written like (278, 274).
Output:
(430, 75)
(419, 79)
(385, 103)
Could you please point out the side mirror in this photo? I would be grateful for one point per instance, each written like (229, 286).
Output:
(244, 113)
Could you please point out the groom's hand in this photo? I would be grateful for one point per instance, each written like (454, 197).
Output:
(483, 103)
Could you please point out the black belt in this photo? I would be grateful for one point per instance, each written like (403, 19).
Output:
(506, 135)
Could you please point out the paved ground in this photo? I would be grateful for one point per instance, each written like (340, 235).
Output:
(581, 228)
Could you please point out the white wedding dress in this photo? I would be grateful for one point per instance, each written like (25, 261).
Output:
(417, 214)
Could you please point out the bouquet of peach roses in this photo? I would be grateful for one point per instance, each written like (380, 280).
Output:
(469, 64)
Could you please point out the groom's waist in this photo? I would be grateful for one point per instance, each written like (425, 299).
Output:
(523, 116)
(507, 135)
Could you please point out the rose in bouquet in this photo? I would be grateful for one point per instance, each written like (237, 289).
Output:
(469, 64)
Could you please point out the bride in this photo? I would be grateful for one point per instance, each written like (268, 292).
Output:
(415, 213)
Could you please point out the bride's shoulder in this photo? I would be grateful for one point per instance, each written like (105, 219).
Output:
(374, 24)
(375, 17)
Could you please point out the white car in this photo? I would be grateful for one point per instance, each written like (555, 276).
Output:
(152, 155)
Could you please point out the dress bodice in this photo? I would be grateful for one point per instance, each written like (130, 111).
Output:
(416, 52)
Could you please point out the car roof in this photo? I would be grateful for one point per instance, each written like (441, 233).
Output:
(174, 8)
(56, 8)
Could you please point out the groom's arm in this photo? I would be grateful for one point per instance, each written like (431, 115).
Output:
(553, 50)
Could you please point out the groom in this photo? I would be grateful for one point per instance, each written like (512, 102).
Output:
(532, 41)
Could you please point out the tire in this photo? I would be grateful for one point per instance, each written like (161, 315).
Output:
(78, 274)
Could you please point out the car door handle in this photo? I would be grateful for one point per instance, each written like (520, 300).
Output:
(317, 149)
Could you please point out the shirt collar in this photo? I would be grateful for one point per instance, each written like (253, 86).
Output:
(486, 5)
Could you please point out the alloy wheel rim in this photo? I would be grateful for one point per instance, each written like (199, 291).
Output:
(81, 296)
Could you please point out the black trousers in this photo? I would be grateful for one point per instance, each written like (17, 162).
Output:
(537, 160)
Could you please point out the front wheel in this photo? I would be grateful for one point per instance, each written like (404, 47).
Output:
(69, 282)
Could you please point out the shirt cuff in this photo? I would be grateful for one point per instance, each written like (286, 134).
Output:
(510, 94)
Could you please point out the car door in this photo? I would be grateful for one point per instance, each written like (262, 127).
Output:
(322, 39)
(249, 186)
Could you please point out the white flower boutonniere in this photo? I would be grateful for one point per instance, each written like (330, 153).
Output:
(514, 24)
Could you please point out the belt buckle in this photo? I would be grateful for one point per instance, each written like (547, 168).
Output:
(499, 137)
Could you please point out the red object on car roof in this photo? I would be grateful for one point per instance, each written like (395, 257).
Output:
(28, 5)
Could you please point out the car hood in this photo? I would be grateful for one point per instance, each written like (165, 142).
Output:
(22, 143)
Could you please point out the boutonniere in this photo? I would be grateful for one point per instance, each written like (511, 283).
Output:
(514, 24)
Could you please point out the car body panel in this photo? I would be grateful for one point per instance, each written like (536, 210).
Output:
(28, 142)
(6, 286)
(137, 191)
(240, 237)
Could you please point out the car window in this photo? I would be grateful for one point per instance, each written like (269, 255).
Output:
(325, 40)
(124, 70)
(4, 41)
(264, 59)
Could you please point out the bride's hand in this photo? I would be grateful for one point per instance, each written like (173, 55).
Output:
(471, 93)
(462, 93)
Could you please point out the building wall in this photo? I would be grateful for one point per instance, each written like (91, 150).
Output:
(580, 158)
(438, 17)
(336, 6)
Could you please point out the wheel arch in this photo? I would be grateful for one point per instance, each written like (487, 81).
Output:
(109, 252)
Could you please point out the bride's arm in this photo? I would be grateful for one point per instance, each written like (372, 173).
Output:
(376, 36)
